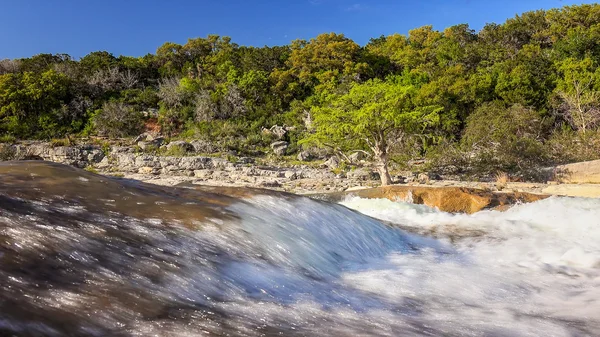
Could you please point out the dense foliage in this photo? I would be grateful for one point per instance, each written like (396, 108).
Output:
(511, 96)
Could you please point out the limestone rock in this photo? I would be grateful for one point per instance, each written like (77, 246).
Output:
(304, 156)
(333, 162)
(360, 174)
(356, 157)
(587, 172)
(280, 147)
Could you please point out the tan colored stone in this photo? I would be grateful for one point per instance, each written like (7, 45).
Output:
(574, 190)
(587, 172)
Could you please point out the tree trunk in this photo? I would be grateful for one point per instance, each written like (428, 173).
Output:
(382, 166)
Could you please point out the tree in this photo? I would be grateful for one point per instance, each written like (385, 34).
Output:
(579, 94)
(373, 116)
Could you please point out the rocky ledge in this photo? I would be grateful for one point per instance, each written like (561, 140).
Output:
(447, 199)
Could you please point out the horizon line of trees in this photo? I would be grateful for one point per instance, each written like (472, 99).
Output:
(511, 97)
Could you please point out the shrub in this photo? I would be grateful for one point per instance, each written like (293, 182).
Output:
(7, 139)
(116, 119)
(567, 146)
(506, 139)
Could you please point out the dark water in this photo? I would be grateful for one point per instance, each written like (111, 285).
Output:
(86, 255)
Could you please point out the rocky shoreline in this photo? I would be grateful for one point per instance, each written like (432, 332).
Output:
(169, 170)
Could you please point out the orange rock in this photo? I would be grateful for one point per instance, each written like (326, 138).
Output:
(447, 199)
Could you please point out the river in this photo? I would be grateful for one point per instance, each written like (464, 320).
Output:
(86, 255)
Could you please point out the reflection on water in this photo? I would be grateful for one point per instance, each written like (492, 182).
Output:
(82, 254)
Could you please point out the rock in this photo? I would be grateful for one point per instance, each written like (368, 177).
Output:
(574, 190)
(587, 172)
(291, 175)
(280, 147)
(140, 138)
(360, 174)
(245, 160)
(146, 170)
(304, 156)
(356, 188)
(423, 178)
(95, 156)
(152, 143)
(278, 131)
(273, 183)
(447, 199)
(150, 113)
(180, 145)
(332, 163)
(356, 157)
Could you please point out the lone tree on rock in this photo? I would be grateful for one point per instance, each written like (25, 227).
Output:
(373, 116)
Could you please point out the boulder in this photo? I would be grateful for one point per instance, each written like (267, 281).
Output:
(333, 162)
(280, 147)
(151, 142)
(291, 175)
(447, 199)
(356, 157)
(361, 174)
(305, 156)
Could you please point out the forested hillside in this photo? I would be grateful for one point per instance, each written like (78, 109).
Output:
(511, 97)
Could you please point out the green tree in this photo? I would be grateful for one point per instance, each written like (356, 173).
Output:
(578, 91)
(373, 116)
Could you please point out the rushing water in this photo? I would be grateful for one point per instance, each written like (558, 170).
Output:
(85, 255)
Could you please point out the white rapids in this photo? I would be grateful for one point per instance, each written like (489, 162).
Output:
(533, 270)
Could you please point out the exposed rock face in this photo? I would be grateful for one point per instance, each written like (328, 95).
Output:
(280, 148)
(447, 199)
(78, 156)
(580, 173)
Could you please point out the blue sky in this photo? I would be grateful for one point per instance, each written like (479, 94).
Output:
(136, 27)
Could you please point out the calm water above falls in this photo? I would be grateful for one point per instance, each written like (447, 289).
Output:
(82, 254)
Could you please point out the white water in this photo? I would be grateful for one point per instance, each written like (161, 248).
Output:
(526, 271)
(531, 271)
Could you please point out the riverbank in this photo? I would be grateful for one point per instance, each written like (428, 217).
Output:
(321, 175)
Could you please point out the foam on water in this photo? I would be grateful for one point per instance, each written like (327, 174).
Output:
(534, 264)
